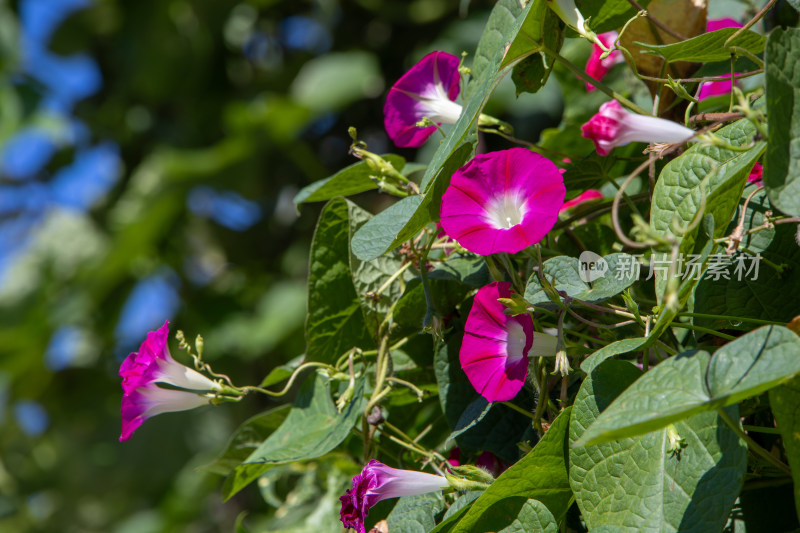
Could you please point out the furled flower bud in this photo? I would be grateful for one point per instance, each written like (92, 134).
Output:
(378, 482)
(613, 126)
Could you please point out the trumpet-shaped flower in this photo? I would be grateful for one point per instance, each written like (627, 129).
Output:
(597, 67)
(429, 91)
(142, 398)
(717, 88)
(378, 482)
(502, 201)
(494, 351)
(613, 126)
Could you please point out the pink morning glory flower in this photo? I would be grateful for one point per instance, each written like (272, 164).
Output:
(614, 126)
(494, 351)
(588, 196)
(717, 88)
(429, 90)
(502, 201)
(378, 482)
(142, 398)
(598, 68)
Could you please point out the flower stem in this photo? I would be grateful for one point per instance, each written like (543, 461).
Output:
(519, 409)
(703, 330)
(291, 381)
(599, 85)
(734, 318)
(753, 445)
(657, 22)
(751, 22)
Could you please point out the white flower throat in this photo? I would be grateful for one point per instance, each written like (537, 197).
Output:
(506, 212)
(516, 340)
(439, 108)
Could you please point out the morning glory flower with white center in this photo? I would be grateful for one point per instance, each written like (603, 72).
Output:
(429, 91)
(141, 372)
(502, 201)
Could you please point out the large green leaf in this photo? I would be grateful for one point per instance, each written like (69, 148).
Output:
(782, 162)
(784, 401)
(496, 34)
(542, 29)
(540, 475)
(369, 276)
(636, 484)
(376, 236)
(313, 428)
(335, 322)
(415, 514)
(564, 273)
(533, 516)
(692, 382)
(615, 348)
(456, 511)
(708, 47)
(350, 180)
(247, 438)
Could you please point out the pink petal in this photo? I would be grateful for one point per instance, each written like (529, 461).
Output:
(587, 196)
(718, 24)
(713, 88)
(598, 68)
(131, 413)
(139, 366)
(400, 116)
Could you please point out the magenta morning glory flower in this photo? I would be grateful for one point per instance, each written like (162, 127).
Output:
(598, 68)
(502, 201)
(494, 351)
(378, 482)
(613, 126)
(429, 90)
(142, 398)
(717, 88)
